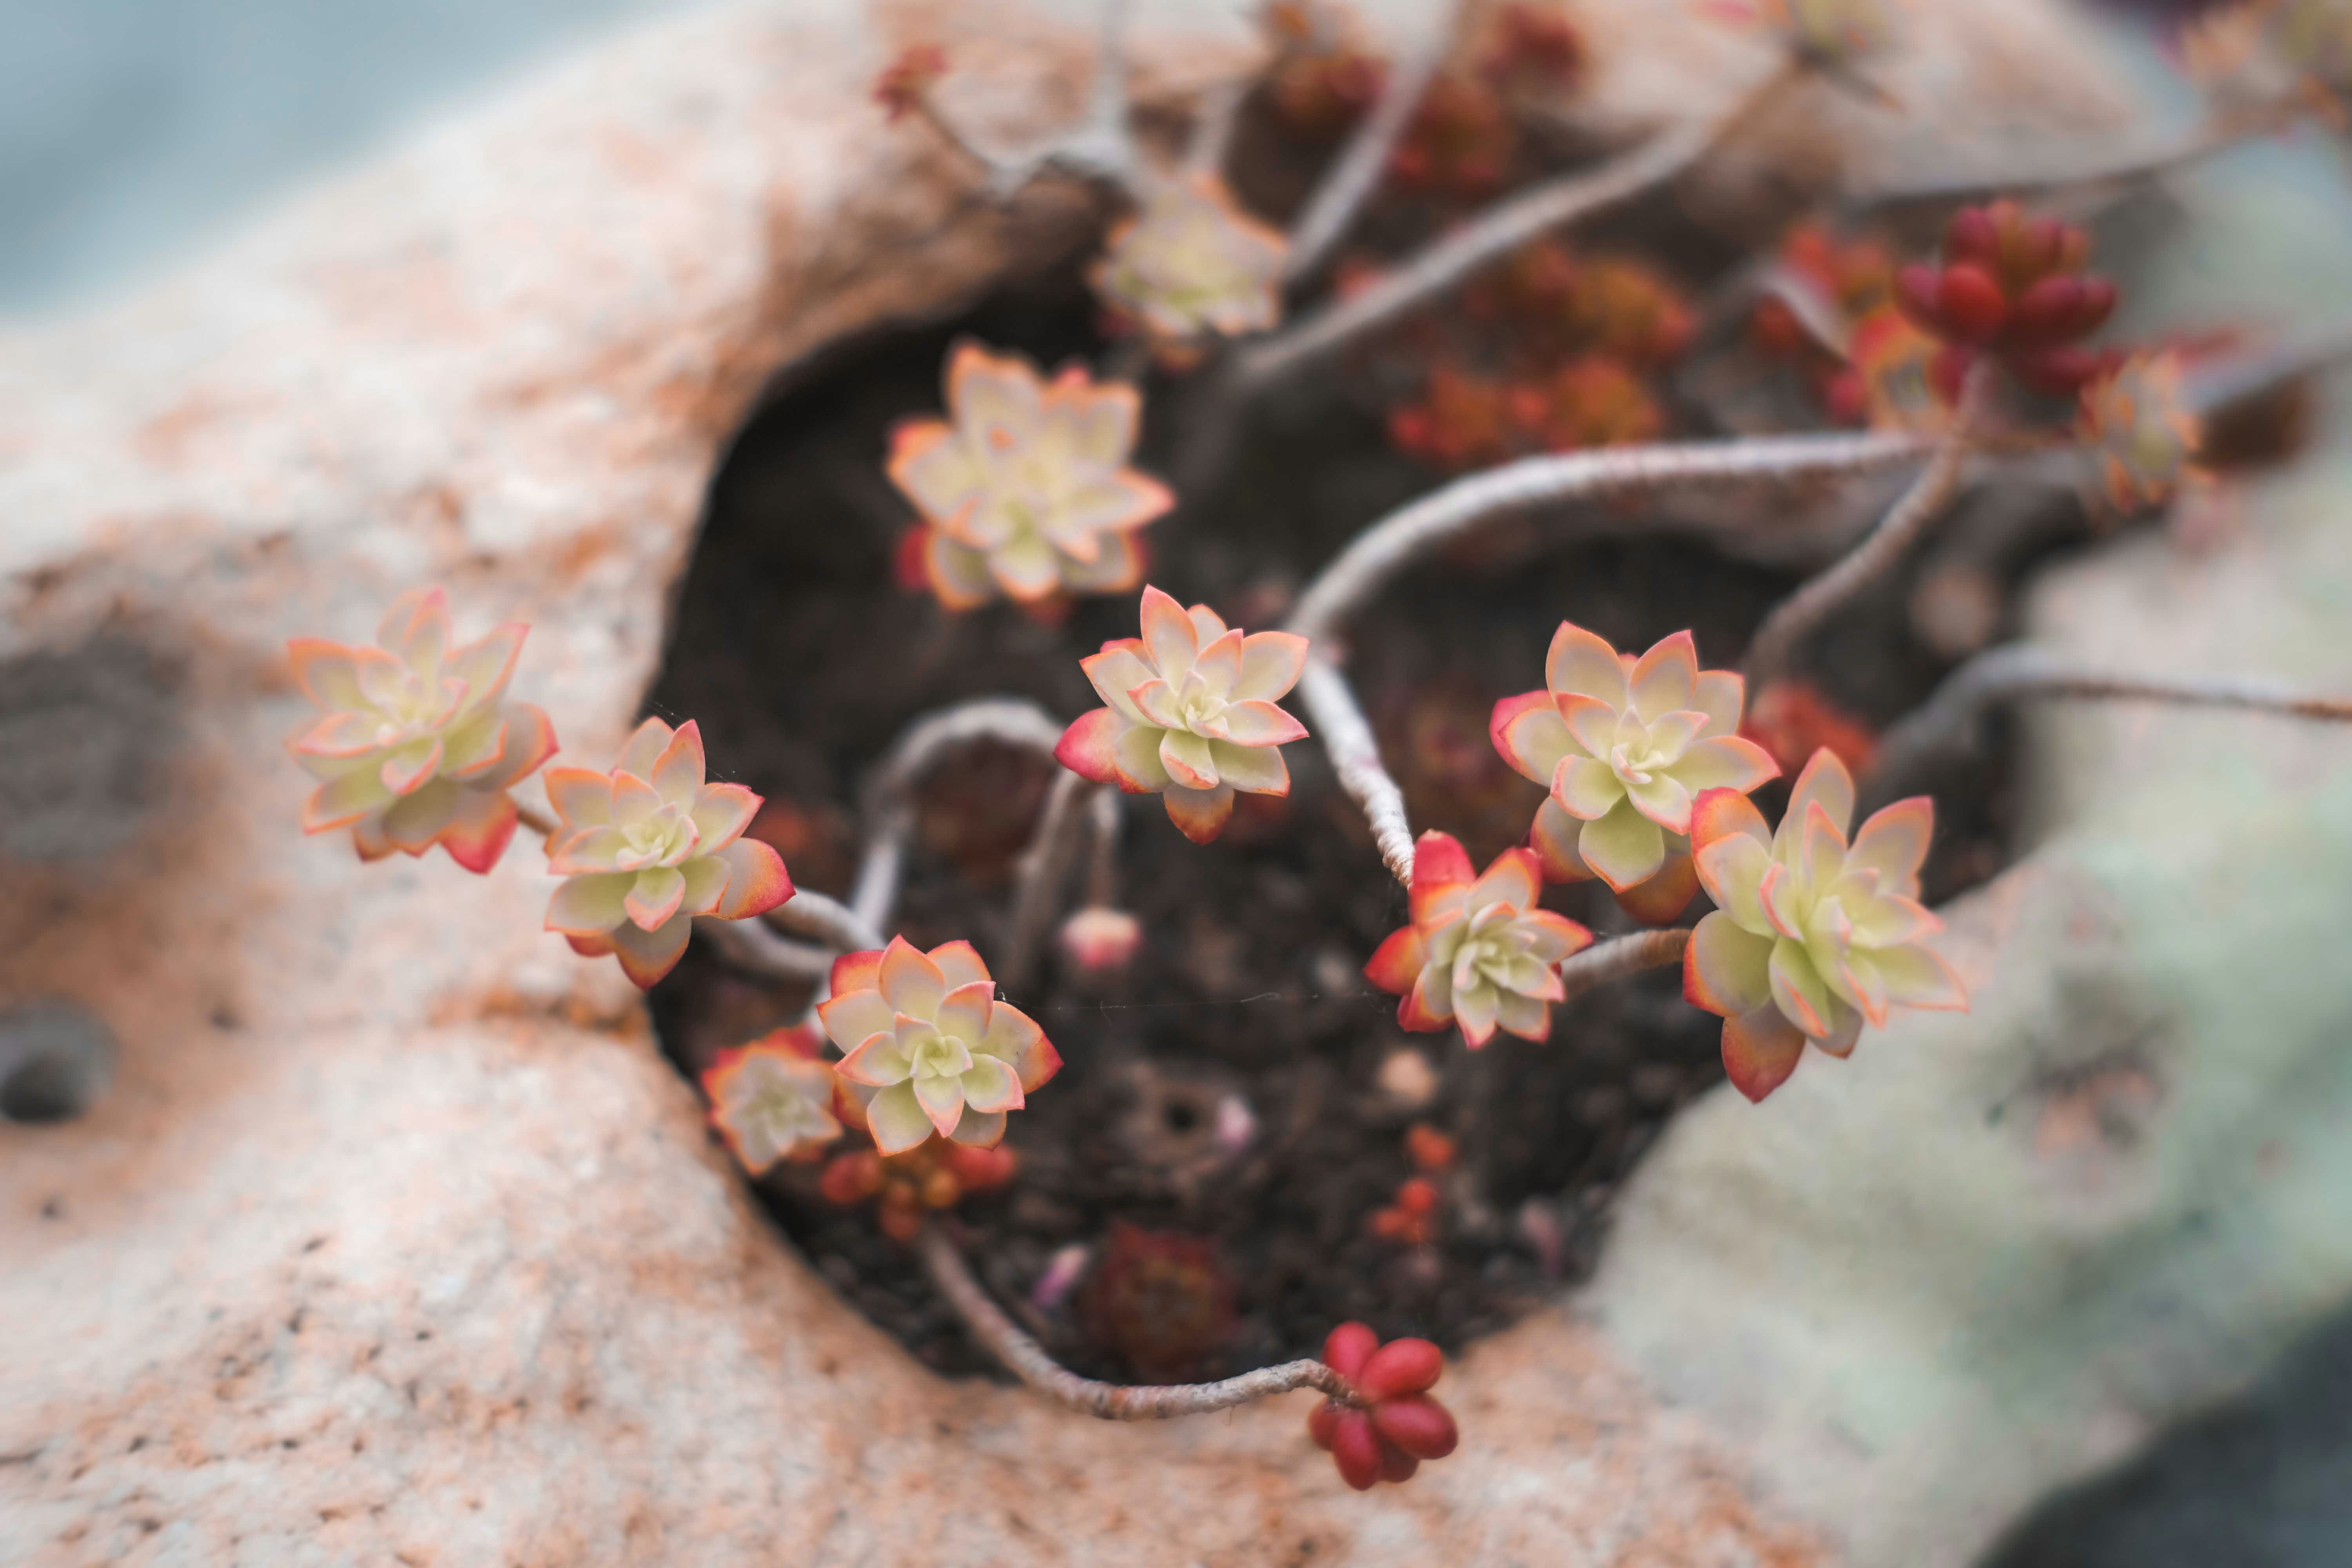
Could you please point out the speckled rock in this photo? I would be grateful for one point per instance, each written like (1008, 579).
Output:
(393, 1239)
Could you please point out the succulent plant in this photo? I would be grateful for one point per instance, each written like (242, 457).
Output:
(2012, 285)
(648, 846)
(414, 745)
(1625, 745)
(1812, 937)
(1399, 1425)
(1162, 1303)
(1478, 953)
(772, 1099)
(1190, 264)
(928, 1047)
(1024, 488)
(1192, 715)
(2138, 433)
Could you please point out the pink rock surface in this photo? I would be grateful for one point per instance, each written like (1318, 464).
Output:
(393, 1239)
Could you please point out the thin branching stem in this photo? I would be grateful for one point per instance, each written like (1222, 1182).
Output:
(538, 821)
(1212, 141)
(2022, 671)
(1881, 550)
(1028, 1360)
(1454, 510)
(1356, 173)
(2056, 175)
(1042, 872)
(753, 947)
(1504, 227)
(1347, 736)
(1620, 956)
(1107, 816)
(827, 920)
(889, 794)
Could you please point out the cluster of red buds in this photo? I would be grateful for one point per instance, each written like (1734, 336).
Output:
(938, 1174)
(1398, 1425)
(2014, 287)
(1555, 302)
(1410, 1219)
(1464, 420)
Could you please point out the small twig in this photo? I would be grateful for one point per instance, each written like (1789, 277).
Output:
(1502, 228)
(1102, 864)
(829, 920)
(1212, 141)
(1347, 736)
(2144, 162)
(2021, 671)
(1028, 1360)
(1356, 174)
(1913, 513)
(1043, 870)
(538, 821)
(751, 946)
(889, 808)
(1620, 956)
(1405, 536)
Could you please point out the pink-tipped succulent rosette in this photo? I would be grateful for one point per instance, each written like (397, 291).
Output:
(928, 1047)
(1190, 264)
(415, 744)
(1624, 745)
(1025, 488)
(1192, 715)
(1479, 953)
(772, 1099)
(1813, 937)
(648, 846)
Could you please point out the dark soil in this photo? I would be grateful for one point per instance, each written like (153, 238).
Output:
(803, 660)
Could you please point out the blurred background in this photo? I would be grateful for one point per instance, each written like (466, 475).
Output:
(131, 129)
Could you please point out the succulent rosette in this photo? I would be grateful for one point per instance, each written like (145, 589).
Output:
(928, 1047)
(648, 846)
(1190, 264)
(1479, 953)
(772, 1099)
(414, 745)
(1625, 745)
(1398, 1425)
(1024, 488)
(1192, 715)
(1813, 937)
(2139, 434)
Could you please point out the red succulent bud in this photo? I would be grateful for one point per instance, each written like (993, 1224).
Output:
(2013, 284)
(1398, 1425)
(1427, 1148)
(1969, 303)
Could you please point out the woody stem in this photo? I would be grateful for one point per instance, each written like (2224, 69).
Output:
(1028, 1360)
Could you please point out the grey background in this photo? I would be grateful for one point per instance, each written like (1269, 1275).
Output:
(131, 130)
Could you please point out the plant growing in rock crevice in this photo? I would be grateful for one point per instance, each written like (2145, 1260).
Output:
(1027, 492)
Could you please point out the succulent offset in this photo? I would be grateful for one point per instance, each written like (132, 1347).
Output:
(1624, 745)
(1190, 264)
(1192, 713)
(1813, 937)
(1024, 488)
(928, 1047)
(2138, 433)
(1479, 953)
(415, 745)
(648, 846)
(772, 1099)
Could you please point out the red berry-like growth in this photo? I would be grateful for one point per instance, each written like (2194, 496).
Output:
(2014, 286)
(1398, 1426)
